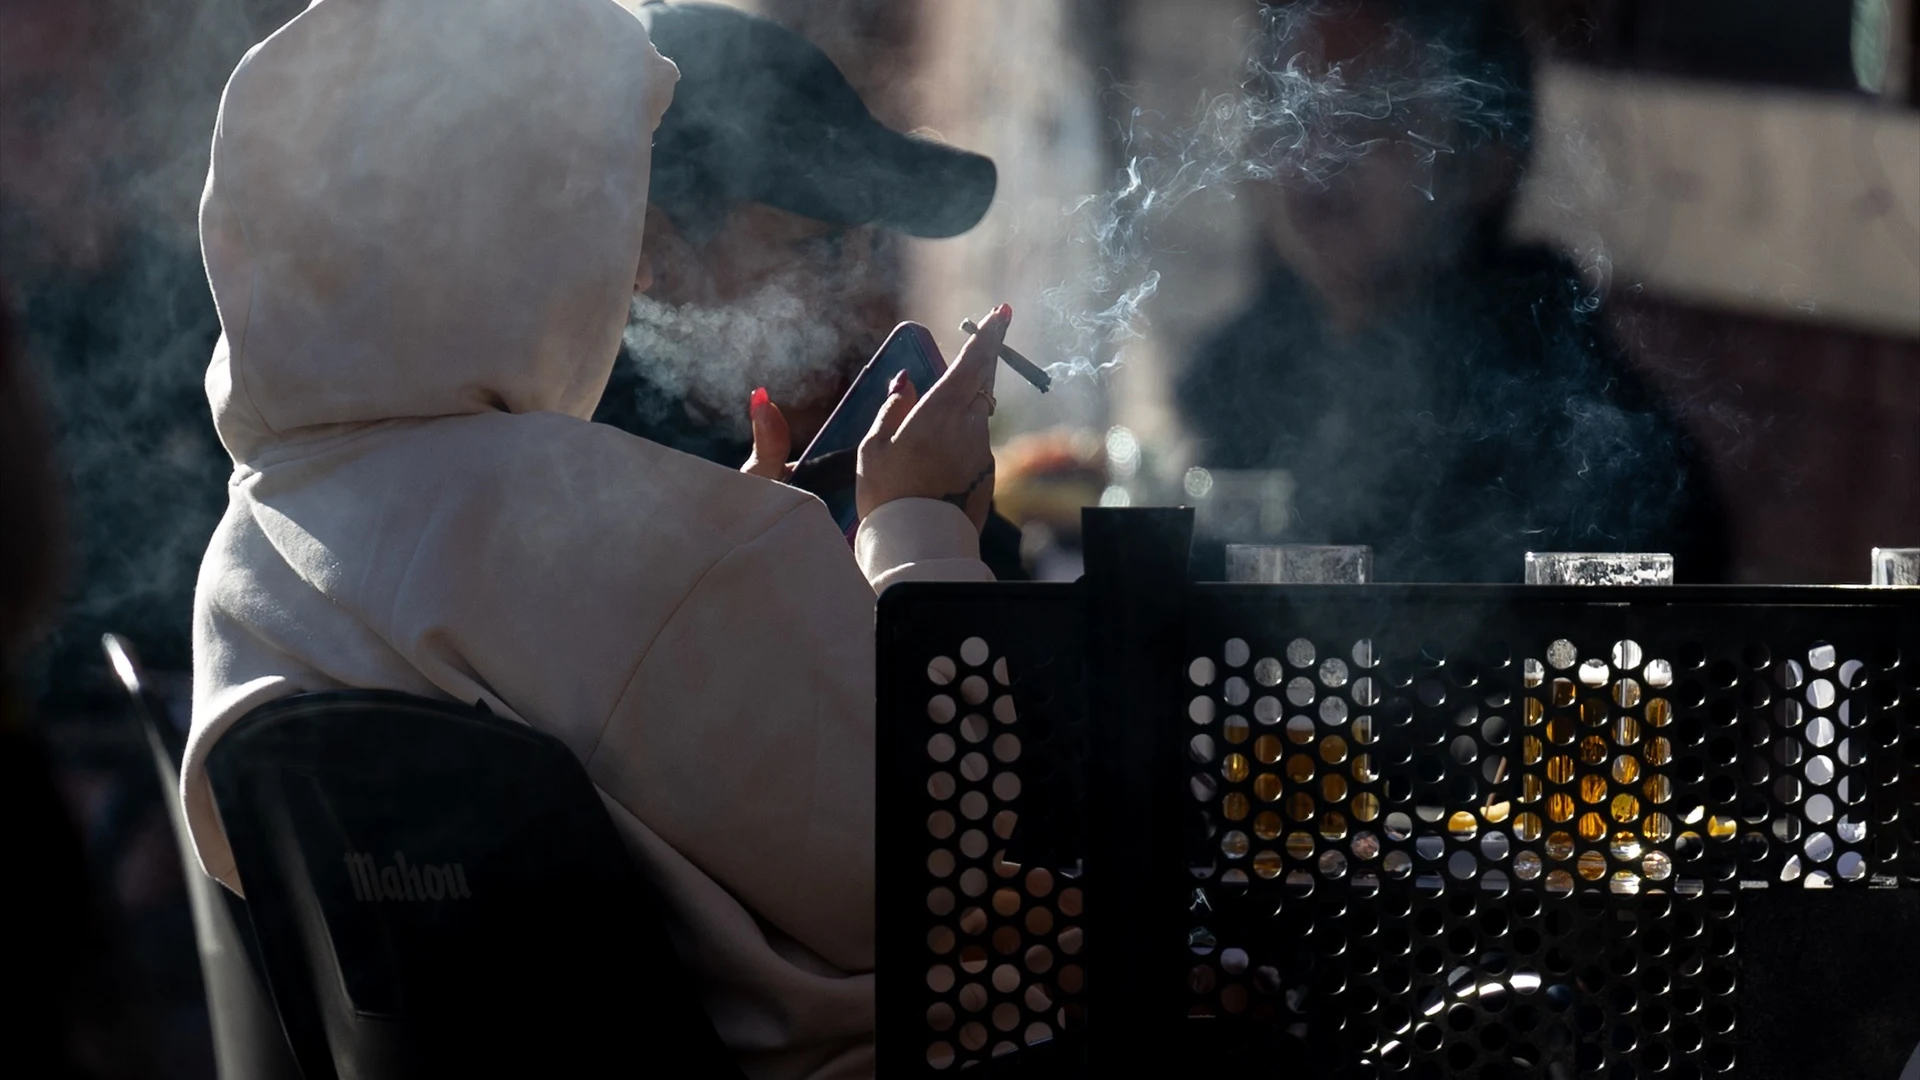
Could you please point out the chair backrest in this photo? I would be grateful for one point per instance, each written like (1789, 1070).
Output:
(438, 891)
(248, 1043)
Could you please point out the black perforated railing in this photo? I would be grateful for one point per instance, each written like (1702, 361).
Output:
(1396, 830)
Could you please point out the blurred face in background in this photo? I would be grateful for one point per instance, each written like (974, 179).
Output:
(770, 299)
(1394, 189)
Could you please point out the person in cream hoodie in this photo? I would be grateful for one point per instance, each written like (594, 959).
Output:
(422, 226)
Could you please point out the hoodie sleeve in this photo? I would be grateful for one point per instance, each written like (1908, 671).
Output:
(745, 736)
(919, 540)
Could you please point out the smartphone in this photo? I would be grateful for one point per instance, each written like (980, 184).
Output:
(827, 467)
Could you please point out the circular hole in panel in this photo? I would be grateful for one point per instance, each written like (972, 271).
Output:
(1363, 655)
(1821, 694)
(1234, 807)
(1397, 864)
(1819, 732)
(1267, 748)
(1821, 656)
(1593, 673)
(1462, 865)
(1852, 866)
(1301, 691)
(1300, 807)
(1657, 829)
(1494, 846)
(1399, 826)
(1236, 652)
(1333, 787)
(1333, 825)
(1236, 767)
(1300, 730)
(1429, 847)
(1204, 787)
(1561, 654)
(1300, 653)
(1819, 847)
(1266, 787)
(1200, 672)
(1365, 694)
(1626, 655)
(1234, 844)
(1366, 846)
(941, 709)
(941, 747)
(1464, 750)
(1819, 809)
(1200, 710)
(1007, 748)
(1266, 672)
(1267, 825)
(973, 652)
(1526, 865)
(973, 843)
(1592, 865)
(973, 689)
(1333, 711)
(1267, 864)
(1819, 770)
(1333, 749)
(1236, 730)
(1462, 825)
(1200, 748)
(1300, 768)
(1235, 691)
(1003, 709)
(973, 728)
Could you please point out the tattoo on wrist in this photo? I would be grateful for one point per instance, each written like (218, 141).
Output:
(960, 499)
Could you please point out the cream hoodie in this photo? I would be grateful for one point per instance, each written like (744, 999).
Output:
(422, 224)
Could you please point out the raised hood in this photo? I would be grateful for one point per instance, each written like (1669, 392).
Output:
(422, 208)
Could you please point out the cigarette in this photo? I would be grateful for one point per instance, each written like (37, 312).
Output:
(1021, 366)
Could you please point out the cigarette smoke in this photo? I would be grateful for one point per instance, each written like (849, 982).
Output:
(1296, 118)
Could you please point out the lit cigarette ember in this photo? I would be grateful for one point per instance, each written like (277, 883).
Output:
(1022, 366)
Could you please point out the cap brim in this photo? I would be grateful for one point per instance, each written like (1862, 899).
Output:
(878, 176)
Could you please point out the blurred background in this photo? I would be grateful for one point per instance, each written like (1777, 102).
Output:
(1736, 181)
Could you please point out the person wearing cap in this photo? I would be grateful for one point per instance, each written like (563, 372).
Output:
(777, 200)
(424, 223)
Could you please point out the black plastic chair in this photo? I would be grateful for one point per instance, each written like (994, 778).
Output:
(439, 892)
(247, 1041)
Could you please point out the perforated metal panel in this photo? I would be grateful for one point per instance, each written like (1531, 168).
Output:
(985, 794)
(1423, 831)
(1488, 832)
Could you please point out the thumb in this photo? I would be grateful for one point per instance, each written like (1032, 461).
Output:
(771, 439)
(901, 397)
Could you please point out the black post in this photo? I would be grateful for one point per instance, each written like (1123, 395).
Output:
(1136, 596)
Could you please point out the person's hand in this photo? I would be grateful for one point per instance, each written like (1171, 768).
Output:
(936, 446)
(771, 439)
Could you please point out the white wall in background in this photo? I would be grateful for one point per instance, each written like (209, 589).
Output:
(1774, 202)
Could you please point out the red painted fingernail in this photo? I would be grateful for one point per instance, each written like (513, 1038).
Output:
(899, 383)
(758, 402)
